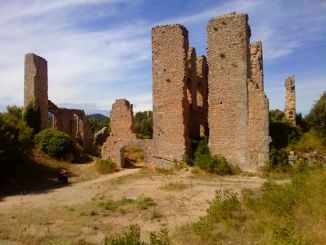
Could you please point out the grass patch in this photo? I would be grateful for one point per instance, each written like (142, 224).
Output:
(105, 166)
(127, 205)
(291, 213)
(174, 186)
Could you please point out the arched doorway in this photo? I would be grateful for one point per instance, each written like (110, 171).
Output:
(132, 156)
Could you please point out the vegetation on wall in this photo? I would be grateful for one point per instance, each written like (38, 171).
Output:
(32, 116)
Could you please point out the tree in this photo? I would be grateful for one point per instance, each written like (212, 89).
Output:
(281, 130)
(16, 140)
(316, 119)
(15, 111)
(144, 124)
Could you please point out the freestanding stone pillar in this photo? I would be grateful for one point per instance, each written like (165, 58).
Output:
(36, 85)
(171, 104)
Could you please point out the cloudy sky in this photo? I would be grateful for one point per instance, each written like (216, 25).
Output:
(100, 50)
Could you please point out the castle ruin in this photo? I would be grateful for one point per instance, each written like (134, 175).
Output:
(221, 97)
(70, 121)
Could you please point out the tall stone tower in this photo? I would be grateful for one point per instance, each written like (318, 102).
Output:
(290, 102)
(36, 85)
(228, 60)
(238, 107)
(171, 104)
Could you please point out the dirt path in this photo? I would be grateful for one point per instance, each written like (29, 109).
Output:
(72, 213)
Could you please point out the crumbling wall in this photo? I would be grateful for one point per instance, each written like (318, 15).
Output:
(228, 60)
(258, 124)
(290, 101)
(72, 122)
(171, 104)
(122, 129)
(36, 85)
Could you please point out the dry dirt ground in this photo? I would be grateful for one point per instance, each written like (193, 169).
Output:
(72, 214)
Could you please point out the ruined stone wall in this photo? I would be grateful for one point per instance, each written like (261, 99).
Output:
(228, 60)
(170, 99)
(36, 85)
(122, 128)
(73, 122)
(290, 101)
(202, 95)
(258, 124)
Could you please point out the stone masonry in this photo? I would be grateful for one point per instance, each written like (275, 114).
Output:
(36, 92)
(123, 133)
(171, 94)
(221, 97)
(36, 85)
(228, 62)
(290, 102)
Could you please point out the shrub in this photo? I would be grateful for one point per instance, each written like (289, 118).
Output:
(213, 164)
(132, 237)
(278, 161)
(105, 166)
(16, 140)
(54, 143)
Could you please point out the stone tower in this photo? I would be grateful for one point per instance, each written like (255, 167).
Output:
(228, 60)
(238, 106)
(171, 105)
(36, 85)
(290, 102)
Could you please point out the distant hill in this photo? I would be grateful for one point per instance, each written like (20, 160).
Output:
(97, 116)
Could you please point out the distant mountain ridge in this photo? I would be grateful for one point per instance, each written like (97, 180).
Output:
(97, 116)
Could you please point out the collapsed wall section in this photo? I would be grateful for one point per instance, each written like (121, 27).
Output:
(228, 60)
(122, 129)
(290, 101)
(258, 124)
(73, 122)
(36, 85)
(171, 104)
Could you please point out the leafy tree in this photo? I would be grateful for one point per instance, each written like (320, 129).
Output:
(282, 131)
(16, 140)
(144, 124)
(97, 124)
(316, 119)
(15, 111)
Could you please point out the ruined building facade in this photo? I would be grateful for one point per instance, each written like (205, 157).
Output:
(290, 101)
(221, 97)
(70, 121)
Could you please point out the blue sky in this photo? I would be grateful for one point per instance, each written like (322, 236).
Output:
(100, 50)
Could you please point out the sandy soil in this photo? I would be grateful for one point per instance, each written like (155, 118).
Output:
(72, 213)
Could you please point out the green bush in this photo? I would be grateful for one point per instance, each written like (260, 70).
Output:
(16, 140)
(54, 143)
(105, 166)
(213, 164)
(132, 237)
(278, 161)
